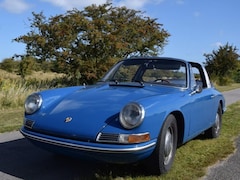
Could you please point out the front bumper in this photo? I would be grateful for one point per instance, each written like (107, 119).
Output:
(113, 153)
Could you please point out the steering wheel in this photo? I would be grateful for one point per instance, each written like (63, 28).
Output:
(161, 80)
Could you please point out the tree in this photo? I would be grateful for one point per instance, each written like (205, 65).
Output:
(222, 64)
(26, 66)
(84, 44)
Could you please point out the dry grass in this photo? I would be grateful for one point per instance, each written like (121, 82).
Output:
(14, 90)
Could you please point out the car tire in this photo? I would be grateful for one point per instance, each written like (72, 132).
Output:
(163, 156)
(214, 131)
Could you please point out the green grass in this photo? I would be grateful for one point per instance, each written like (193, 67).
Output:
(11, 119)
(228, 87)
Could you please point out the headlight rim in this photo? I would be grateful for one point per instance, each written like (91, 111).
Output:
(39, 100)
(124, 122)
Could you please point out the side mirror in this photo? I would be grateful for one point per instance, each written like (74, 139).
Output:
(198, 88)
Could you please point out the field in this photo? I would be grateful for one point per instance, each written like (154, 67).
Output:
(14, 90)
(192, 159)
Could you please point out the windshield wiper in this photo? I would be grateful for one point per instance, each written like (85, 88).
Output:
(140, 82)
(128, 84)
(114, 80)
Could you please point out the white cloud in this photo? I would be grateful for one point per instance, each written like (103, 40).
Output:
(70, 4)
(15, 6)
(196, 14)
(217, 44)
(136, 4)
(180, 1)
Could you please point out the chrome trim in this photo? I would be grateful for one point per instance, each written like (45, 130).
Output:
(108, 137)
(84, 147)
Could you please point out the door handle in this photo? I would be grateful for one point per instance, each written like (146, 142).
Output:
(213, 96)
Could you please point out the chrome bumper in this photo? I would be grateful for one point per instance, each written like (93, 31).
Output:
(89, 147)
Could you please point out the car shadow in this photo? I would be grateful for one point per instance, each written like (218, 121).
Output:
(21, 159)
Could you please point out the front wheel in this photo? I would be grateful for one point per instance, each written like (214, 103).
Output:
(164, 153)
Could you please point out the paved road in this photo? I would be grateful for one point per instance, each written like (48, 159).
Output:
(232, 96)
(21, 160)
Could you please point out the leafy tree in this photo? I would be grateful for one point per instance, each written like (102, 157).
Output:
(221, 64)
(26, 66)
(84, 44)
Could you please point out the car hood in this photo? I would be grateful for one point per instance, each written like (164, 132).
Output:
(85, 112)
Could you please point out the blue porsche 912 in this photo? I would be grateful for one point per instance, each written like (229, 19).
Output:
(142, 109)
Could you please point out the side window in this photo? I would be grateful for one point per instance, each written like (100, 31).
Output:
(199, 75)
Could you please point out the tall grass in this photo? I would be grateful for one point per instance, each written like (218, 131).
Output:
(14, 90)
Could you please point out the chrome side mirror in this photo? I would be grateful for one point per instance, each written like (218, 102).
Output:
(198, 88)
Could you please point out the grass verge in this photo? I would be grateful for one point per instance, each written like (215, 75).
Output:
(228, 87)
(11, 119)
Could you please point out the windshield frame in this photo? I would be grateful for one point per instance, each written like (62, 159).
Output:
(144, 63)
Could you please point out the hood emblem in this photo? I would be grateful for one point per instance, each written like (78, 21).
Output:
(68, 119)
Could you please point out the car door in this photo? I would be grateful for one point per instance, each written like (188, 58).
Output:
(203, 103)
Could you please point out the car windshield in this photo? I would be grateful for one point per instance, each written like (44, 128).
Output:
(159, 71)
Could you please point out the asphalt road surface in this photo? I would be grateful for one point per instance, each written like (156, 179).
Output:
(19, 159)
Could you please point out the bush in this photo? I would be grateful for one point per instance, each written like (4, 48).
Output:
(237, 76)
(223, 81)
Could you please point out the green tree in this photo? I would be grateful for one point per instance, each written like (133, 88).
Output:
(84, 44)
(26, 66)
(221, 64)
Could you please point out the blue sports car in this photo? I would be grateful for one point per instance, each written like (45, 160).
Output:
(142, 109)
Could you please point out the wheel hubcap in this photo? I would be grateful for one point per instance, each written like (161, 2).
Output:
(168, 148)
(217, 124)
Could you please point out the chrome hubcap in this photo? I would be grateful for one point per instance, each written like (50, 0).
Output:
(217, 124)
(168, 148)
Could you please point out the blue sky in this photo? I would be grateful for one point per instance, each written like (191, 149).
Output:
(196, 26)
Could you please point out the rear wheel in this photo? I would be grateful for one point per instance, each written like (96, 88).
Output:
(214, 131)
(163, 155)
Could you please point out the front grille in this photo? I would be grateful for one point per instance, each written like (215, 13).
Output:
(108, 138)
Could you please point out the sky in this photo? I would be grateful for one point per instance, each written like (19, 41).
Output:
(197, 27)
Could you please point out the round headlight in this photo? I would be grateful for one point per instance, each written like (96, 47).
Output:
(131, 115)
(33, 103)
